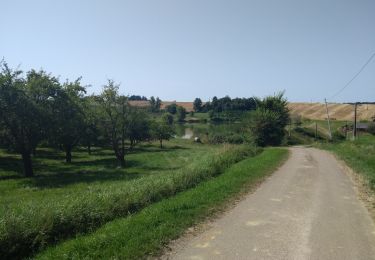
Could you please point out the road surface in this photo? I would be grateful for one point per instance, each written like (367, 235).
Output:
(308, 209)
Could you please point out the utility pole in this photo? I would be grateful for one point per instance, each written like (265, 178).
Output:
(355, 121)
(329, 123)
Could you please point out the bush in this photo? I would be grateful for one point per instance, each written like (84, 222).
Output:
(229, 137)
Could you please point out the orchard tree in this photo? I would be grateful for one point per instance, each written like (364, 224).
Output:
(25, 110)
(69, 117)
(162, 131)
(172, 108)
(167, 118)
(138, 126)
(91, 132)
(155, 104)
(115, 111)
(197, 105)
(181, 114)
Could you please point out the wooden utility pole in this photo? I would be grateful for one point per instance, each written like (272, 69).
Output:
(329, 123)
(355, 121)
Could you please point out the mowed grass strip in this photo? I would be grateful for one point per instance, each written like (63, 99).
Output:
(147, 232)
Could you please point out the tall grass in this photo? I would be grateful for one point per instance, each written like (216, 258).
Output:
(31, 226)
(359, 155)
(147, 232)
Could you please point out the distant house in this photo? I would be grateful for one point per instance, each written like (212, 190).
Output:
(362, 126)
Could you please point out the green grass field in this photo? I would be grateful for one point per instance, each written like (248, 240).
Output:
(68, 199)
(359, 155)
(145, 233)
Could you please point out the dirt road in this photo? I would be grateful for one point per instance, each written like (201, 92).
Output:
(308, 209)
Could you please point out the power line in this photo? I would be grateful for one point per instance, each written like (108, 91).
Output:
(354, 77)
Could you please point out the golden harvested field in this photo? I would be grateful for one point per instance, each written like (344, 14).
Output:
(336, 111)
(313, 111)
(187, 105)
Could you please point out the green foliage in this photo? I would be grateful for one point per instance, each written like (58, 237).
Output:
(269, 120)
(197, 105)
(155, 104)
(172, 108)
(167, 119)
(138, 126)
(181, 114)
(143, 235)
(229, 137)
(26, 110)
(115, 112)
(54, 214)
(68, 117)
(161, 131)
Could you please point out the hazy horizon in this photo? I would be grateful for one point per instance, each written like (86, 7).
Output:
(179, 50)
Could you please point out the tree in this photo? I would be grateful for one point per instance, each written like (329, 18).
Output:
(167, 118)
(115, 112)
(162, 131)
(197, 105)
(269, 120)
(91, 132)
(25, 110)
(172, 108)
(181, 114)
(138, 126)
(155, 104)
(68, 116)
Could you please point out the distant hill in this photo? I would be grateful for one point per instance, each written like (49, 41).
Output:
(306, 110)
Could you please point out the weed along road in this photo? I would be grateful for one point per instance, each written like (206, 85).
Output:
(308, 209)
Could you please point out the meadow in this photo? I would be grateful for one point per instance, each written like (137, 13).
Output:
(64, 200)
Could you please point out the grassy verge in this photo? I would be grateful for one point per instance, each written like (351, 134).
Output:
(359, 155)
(53, 213)
(146, 232)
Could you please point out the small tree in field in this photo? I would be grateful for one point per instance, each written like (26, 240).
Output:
(167, 118)
(69, 117)
(197, 105)
(115, 111)
(138, 126)
(181, 114)
(162, 131)
(172, 108)
(25, 110)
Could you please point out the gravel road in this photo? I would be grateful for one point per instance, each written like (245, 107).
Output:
(308, 209)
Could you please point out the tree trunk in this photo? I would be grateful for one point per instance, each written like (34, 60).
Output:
(68, 155)
(34, 151)
(27, 165)
(161, 143)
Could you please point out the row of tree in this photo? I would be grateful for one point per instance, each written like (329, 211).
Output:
(224, 104)
(37, 109)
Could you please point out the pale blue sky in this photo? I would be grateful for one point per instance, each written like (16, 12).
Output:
(181, 49)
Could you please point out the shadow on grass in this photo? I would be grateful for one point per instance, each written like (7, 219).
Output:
(68, 178)
(55, 173)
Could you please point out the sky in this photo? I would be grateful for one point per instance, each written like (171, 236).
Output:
(183, 49)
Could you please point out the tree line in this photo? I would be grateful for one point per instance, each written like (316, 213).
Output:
(37, 109)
